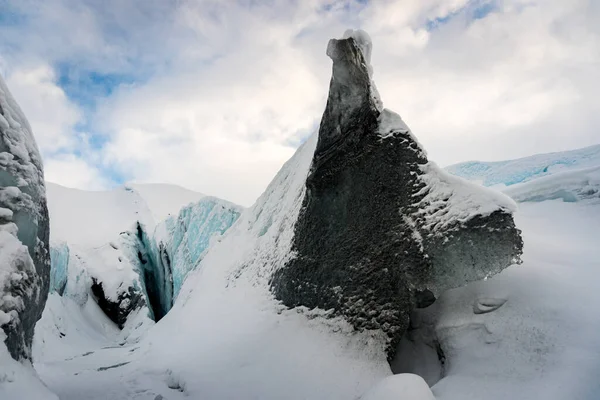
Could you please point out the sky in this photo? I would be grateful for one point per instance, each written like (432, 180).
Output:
(216, 95)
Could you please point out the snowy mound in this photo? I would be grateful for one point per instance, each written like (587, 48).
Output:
(570, 175)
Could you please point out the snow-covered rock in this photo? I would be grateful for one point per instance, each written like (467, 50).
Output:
(381, 228)
(24, 230)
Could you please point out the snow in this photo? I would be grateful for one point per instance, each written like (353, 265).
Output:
(398, 387)
(391, 125)
(450, 199)
(18, 380)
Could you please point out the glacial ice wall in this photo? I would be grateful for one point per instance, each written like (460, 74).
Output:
(187, 237)
(59, 256)
(24, 230)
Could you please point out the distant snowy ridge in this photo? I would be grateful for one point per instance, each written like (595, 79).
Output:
(511, 172)
(571, 175)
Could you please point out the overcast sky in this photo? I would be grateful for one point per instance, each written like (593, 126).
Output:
(217, 95)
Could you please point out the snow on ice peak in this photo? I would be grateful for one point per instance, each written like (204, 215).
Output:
(363, 40)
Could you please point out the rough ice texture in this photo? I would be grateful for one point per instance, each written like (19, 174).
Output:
(24, 231)
(188, 235)
(380, 225)
(59, 257)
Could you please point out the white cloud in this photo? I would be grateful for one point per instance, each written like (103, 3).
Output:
(51, 115)
(229, 88)
(71, 171)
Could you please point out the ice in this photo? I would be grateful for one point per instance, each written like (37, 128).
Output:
(188, 236)
(363, 40)
(59, 256)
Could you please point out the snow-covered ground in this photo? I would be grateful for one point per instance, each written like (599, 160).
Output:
(529, 332)
(237, 343)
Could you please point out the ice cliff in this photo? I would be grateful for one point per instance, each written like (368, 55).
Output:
(24, 230)
(382, 230)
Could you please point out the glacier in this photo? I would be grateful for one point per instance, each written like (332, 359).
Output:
(187, 300)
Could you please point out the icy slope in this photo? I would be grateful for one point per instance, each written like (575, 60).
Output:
(511, 172)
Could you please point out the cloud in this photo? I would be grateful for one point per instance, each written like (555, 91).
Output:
(216, 95)
(51, 115)
(70, 171)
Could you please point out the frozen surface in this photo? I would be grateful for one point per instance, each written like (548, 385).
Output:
(511, 172)
(59, 256)
(18, 380)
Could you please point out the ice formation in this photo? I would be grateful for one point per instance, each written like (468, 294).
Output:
(382, 230)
